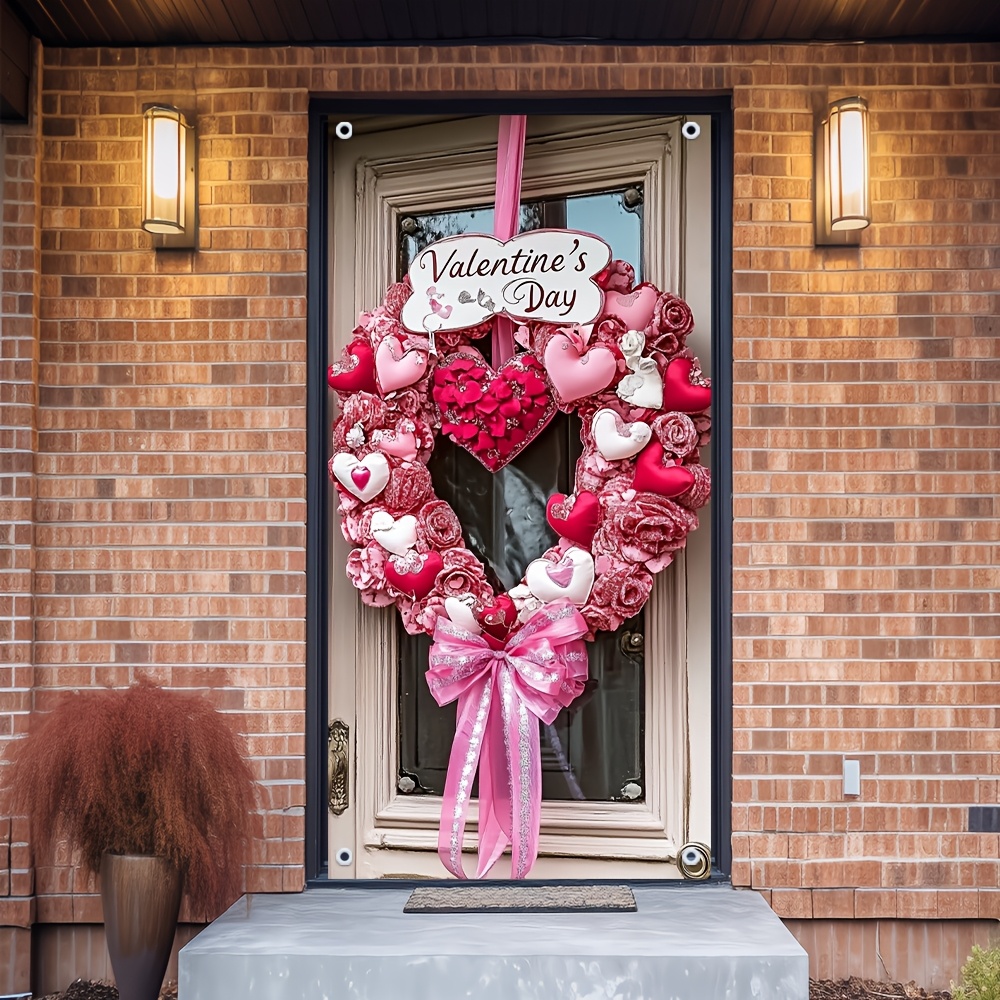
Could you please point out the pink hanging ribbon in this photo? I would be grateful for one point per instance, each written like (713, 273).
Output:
(506, 215)
(502, 693)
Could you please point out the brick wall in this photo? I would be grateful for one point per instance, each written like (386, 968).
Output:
(170, 462)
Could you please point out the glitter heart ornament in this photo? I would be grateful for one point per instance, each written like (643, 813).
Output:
(576, 372)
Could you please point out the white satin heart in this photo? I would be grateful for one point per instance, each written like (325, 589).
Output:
(396, 535)
(461, 613)
(611, 442)
(346, 469)
(538, 577)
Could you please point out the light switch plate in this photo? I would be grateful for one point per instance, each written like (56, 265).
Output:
(852, 777)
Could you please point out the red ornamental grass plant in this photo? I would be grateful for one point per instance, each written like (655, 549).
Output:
(141, 770)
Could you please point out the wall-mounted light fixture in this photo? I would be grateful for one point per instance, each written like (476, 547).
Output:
(843, 202)
(169, 205)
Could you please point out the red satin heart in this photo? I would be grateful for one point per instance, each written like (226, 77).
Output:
(355, 372)
(678, 392)
(653, 477)
(577, 523)
(493, 415)
(414, 582)
(498, 619)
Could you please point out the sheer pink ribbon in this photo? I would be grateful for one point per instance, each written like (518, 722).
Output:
(501, 695)
(506, 215)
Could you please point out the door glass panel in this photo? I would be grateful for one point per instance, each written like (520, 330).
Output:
(594, 750)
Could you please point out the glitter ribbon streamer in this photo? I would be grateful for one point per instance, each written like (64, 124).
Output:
(507, 214)
(501, 694)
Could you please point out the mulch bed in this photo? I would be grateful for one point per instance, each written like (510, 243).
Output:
(869, 989)
(85, 990)
(819, 989)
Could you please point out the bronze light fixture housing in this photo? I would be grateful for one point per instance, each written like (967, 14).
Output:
(169, 177)
(842, 182)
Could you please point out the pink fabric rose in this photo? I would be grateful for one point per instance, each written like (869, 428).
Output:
(361, 410)
(420, 617)
(441, 526)
(409, 487)
(366, 570)
(676, 432)
(671, 323)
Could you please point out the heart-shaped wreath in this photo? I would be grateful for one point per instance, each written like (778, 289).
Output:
(642, 403)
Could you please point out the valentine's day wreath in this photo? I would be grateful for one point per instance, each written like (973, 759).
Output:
(642, 403)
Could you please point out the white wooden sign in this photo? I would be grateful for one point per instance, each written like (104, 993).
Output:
(545, 276)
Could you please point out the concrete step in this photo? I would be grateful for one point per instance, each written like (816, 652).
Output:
(706, 942)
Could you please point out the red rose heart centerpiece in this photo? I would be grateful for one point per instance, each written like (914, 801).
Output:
(493, 415)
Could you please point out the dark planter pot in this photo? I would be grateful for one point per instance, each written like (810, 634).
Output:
(142, 896)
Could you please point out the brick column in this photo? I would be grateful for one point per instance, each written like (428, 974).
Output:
(20, 256)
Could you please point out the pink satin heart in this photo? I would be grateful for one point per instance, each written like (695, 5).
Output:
(400, 444)
(560, 573)
(397, 368)
(575, 374)
(361, 475)
(635, 308)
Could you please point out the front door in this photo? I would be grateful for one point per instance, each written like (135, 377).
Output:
(626, 769)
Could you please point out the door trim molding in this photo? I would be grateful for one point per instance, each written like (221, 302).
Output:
(321, 113)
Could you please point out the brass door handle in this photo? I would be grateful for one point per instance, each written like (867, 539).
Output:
(338, 766)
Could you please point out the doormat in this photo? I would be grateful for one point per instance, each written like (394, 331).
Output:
(521, 899)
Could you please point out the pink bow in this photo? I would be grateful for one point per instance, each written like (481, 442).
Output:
(541, 670)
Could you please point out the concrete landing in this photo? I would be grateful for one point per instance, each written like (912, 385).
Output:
(682, 943)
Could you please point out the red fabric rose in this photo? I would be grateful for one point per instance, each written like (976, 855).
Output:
(441, 526)
(647, 529)
(396, 296)
(617, 595)
(618, 276)
(462, 574)
(699, 493)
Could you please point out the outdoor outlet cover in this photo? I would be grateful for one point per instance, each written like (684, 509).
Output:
(852, 777)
